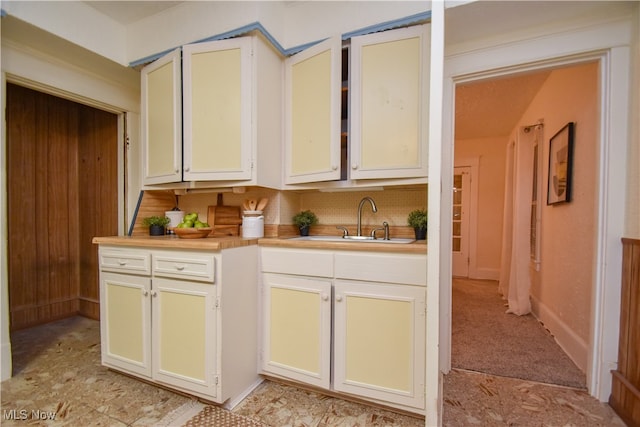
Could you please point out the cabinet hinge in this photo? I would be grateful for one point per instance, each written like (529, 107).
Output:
(216, 379)
(217, 305)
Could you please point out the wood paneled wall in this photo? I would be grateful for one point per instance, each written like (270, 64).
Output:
(62, 191)
(153, 203)
(625, 393)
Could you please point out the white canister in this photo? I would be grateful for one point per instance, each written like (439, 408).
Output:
(252, 224)
(175, 217)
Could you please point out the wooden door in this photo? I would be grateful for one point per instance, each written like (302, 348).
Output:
(61, 192)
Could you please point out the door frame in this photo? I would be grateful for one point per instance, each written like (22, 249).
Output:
(42, 72)
(607, 44)
(473, 163)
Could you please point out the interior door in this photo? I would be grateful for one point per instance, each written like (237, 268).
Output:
(460, 243)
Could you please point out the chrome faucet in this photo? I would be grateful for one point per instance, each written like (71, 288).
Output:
(373, 208)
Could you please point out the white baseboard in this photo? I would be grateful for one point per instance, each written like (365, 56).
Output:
(232, 403)
(574, 346)
(5, 356)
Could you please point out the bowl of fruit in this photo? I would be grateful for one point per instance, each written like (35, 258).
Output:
(192, 228)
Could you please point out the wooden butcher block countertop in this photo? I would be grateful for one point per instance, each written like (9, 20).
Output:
(220, 243)
(175, 242)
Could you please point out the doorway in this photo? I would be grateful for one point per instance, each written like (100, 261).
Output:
(62, 190)
(548, 292)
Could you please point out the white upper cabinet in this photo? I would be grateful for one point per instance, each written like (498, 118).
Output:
(222, 111)
(389, 98)
(312, 113)
(217, 110)
(162, 120)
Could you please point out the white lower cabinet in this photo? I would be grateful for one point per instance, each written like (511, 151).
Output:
(378, 332)
(125, 322)
(184, 332)
(162, 318)
(347, 329)
(298, 328)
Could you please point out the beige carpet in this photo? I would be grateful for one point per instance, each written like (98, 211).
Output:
(486, 339)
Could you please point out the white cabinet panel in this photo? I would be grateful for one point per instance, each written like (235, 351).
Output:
(312, 113)
(184, 265)
(161, 88)
(217, 110)
(184, 334)
(379, 339)
(305, 263)
(125, 313)
(389, 93)
(297, 328)
(409, 269)
(127, 261)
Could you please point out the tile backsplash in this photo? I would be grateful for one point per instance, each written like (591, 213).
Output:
(332, 208)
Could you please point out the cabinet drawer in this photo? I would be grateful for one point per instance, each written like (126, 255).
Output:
(187, 267)
(289, 261)
(409, 269)
(125, 261)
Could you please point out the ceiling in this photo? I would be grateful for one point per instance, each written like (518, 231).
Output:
(127, 12)
(484, 109)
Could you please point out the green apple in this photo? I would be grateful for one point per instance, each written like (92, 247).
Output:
(192, 216)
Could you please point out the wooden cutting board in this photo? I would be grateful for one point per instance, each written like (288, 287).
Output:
(225, 220)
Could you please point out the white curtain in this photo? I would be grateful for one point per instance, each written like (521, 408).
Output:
(515, 279)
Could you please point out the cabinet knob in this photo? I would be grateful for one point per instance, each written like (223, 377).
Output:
(122, 262)
(334, 167)
(145, 292)
(325, 297)
(354, 166)
(179, 267)
(338, 298)
(154, 294)
(187, 169)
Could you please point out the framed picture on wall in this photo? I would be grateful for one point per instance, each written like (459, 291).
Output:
(560, 165)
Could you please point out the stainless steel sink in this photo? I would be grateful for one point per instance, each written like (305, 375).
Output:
(360, 239)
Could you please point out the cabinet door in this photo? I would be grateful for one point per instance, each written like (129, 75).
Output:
(217, 110)
(389, 94)
(125, 322)
(162, 120)
(379, 341)
(184, 335)
(312, 113)
(297, 328)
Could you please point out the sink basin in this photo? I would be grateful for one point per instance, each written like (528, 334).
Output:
(360, 239)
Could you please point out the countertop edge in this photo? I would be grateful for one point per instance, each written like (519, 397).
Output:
(220, 243)
(417, 247)
(174, 242)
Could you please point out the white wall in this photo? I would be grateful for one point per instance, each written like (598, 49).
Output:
(491, 153)
(76, 22)
(562, 290)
